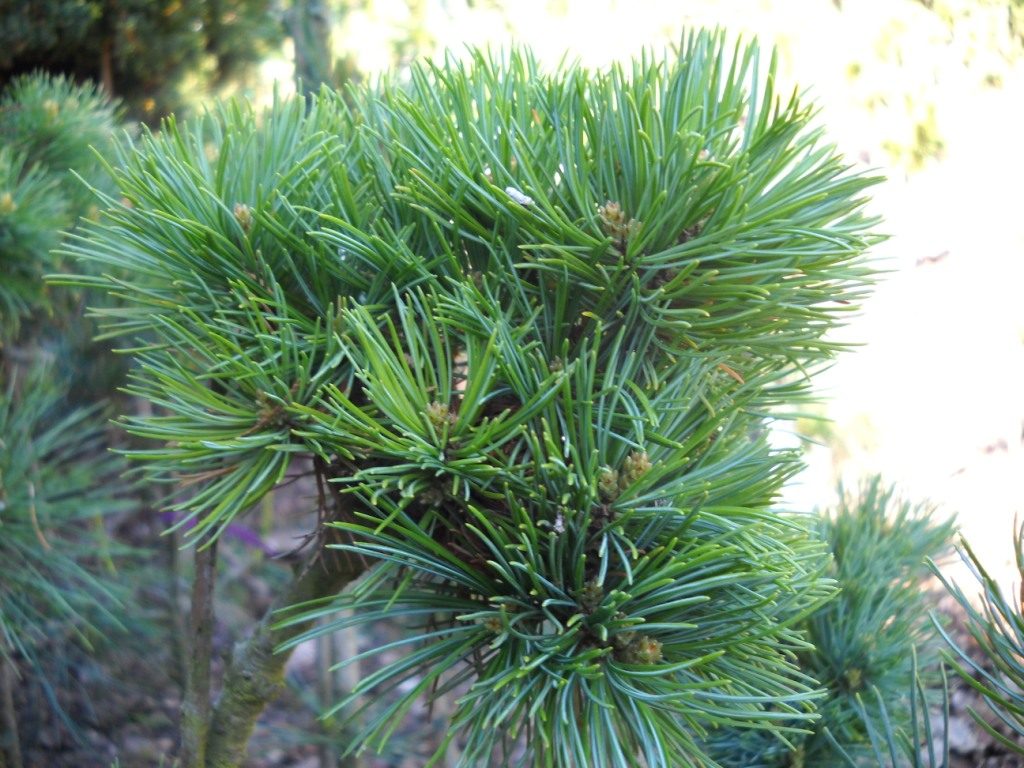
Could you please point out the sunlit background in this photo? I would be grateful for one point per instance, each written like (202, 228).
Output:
(930, 94)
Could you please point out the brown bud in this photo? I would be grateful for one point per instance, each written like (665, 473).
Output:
(636, 465)
(645, 650)
(439, 414)
(243, 215)
(614, 222)
(608, 484)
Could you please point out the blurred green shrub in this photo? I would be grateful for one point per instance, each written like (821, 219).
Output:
(871, 647)
(997, 629)
(57, 482)
(32, 215)
(51, 130)
(869, 640)
(59, 583)
(63, 127)
(142, 51)
(57, 138)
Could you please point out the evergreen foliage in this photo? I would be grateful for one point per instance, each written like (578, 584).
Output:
(872, 647)
(62, 127)
(531, 326)
(910, 730)
(997, 627)
(51, 130)
(869, 642)
(57, 483)
(32, 214)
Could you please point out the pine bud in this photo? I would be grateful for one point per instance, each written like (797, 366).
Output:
(590, 597)
(51, 108)
(854, 678)
(431, 496)
(608, 484)
(243, 215)
(645, 650)
(439, 415)
(614, 223)
(7, 204)
(636, 465)
(623, 640)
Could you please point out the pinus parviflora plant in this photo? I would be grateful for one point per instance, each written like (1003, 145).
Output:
(874, 639)
(893, 730)
(529, 328)
(995, 624)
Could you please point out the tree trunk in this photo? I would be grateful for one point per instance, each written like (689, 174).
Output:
(107, 66)
(310, 22)
(256, 674)
(195, 707)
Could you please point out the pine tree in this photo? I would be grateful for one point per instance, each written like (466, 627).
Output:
(530, 328)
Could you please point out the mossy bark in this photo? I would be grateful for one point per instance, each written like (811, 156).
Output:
(256, 674)
(195, 709)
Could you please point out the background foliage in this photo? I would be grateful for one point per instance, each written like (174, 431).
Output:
(145, 53)
(60, 587)
(57, 482)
